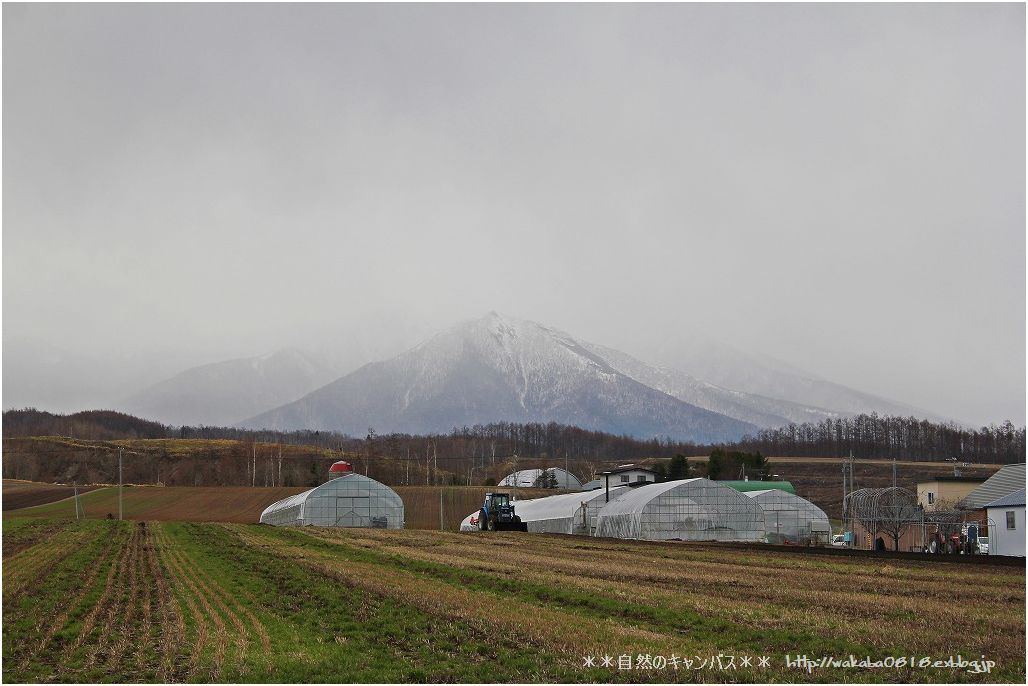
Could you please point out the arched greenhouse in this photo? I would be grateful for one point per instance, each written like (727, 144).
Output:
(688, 510)
(792, 519)
(534, 478)
(568, 513)
(348, 500)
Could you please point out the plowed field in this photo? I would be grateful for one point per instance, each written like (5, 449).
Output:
(103, 600)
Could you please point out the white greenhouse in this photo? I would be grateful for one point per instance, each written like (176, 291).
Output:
(568, 513)
(349, 500)
(792, 519)
(533, 478)
(688, 510)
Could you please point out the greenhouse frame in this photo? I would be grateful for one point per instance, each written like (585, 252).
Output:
(350, 500)
(687, 509)
(792, 519)
(532, 478)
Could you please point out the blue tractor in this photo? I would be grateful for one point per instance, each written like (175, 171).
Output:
(497, 514)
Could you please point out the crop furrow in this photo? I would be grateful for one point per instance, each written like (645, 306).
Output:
(203, 615)
(50, 627)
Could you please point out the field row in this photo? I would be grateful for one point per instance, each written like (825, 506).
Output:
(119, 601)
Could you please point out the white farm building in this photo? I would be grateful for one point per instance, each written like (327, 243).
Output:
(1006, 525)
(347, 499)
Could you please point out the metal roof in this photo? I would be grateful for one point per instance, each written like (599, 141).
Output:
(629, 468)
(1010, 500)
(1009, 479)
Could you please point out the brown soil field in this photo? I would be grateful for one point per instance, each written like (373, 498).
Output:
(244, 505)
(109, 601)
(18, 494)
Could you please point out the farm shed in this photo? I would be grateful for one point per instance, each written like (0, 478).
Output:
(688, 509)
(1006, 525)
(792, 519)
(348, 500)
(533, 478)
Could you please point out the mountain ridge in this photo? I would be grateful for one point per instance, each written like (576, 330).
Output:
(497, 368)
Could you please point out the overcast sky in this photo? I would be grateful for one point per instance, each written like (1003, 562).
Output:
(840, 187)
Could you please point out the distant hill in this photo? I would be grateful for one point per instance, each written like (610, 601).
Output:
(498, 369)
(224, 393)
(97, 425)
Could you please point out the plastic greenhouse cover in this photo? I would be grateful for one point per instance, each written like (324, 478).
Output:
(641, 496)
(560, 506)
(790, 512)
(526, 478)
(687, 509)
(363, 500)
(292, 500)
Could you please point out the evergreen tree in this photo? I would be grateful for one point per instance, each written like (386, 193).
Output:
(678, 468)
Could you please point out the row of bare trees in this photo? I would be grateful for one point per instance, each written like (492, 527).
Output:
(887, 437)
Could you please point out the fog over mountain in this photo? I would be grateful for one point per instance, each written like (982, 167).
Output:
(815, 204)
(223, 393)
(499, 368)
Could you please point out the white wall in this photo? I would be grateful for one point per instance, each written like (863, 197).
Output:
(1004, 541)
(633, 476)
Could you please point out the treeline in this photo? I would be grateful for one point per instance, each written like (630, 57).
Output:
(528, 440)
(475, 455)
(871, 436)
(93, 425)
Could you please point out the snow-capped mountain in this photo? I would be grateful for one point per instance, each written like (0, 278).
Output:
(748, 407)
(224, 393)
(498, 369)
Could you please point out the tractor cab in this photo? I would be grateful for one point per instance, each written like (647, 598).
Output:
(498, 499)
(497, 514)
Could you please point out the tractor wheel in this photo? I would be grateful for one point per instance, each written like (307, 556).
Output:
(481, 521)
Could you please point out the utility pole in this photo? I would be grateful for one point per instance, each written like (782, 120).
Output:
(280, 465)
(253, 478)
(566, 479)
(894, 471)
(75, 484)
(844, 493)
(441, 509)
(515, 496)
(120, 507)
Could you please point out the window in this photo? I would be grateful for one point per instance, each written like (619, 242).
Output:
(1011, 522)
(931, 497)
(641, 477)
(624, 478)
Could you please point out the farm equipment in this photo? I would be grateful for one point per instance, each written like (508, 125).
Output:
(497, 514)
(963, 542)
